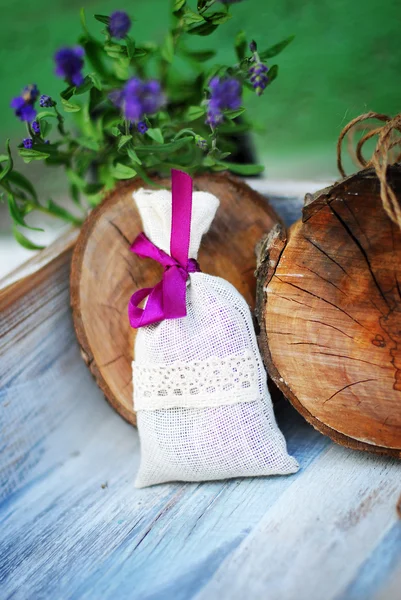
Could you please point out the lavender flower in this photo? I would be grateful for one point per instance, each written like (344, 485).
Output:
(224, 94)
(46, 101)
(36, 127)
(119, 24)
(258, 77)
(138, 98)
(28, 143)
(69, 63)
(24, 104)
(142, 127)
(257, 71)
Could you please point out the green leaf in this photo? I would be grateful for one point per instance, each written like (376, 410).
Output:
(88, 143)
(45, 128)
(177, 5)
(273, 72)
(241, 169)
(199, 55)
(22, 183)
(139, 52)
(121, 171)
(156, 135)
(83, 21)
(96, 81)
(240, 45)
(203, 29)
(23, 241)
(106, 178)
(208, 161)
(233, 114)
(95, 54)
(190, 18)
(164, 148)
(9, 164)
(102, 19)
(84, 87)
(46, 114)
(123, 141)
(15, 212)
(115, 131)
(276, 49)
(218, 18)
(29, 155)
(115, 50)
(74, 192)
(133, 156)
(68, 92)
(62, 213)
(76, 179)
(92, 188)
(69, 107)
(130, 47)
(194, 112)
(167, 49)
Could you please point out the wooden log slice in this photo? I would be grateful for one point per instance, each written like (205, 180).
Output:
(329, 307)
(105, 273)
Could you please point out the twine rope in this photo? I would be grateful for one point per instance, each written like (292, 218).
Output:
(387, 152)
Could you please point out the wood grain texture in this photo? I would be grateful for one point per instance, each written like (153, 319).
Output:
(74, 527)
(329, 304)
(105, 273)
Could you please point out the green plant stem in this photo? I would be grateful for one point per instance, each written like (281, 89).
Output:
(207, 6)
(47, 211)
(60, 122)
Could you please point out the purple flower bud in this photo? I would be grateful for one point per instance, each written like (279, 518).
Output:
(258, 77)
(119, 24)
(201, 143)
(142, 127)
(224, 94)
(138, 98)
(69, 64)
(36, 127)
(252, 46)
(46, 101)
(28, 143)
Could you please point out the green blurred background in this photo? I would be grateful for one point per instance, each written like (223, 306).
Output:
(344, 60)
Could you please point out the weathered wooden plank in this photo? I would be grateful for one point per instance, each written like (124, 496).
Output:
(73, 526)
(313, 543)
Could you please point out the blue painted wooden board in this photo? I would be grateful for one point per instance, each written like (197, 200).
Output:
(72, 525)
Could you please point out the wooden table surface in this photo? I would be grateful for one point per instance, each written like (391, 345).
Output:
(72, 525)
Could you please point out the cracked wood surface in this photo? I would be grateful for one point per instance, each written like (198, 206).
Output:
(330, 311)
(105, 273)
(72, 525)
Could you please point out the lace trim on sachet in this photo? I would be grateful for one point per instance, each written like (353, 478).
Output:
(197, 384)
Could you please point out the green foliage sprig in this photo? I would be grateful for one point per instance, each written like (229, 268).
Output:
(141, 109)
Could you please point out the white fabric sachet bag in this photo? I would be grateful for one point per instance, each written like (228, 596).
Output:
(200, 392)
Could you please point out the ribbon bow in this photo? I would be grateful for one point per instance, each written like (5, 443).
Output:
(167, 299)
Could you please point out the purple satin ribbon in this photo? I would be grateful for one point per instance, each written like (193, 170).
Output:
(167, 299)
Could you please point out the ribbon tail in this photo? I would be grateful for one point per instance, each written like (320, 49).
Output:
(153, 311)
